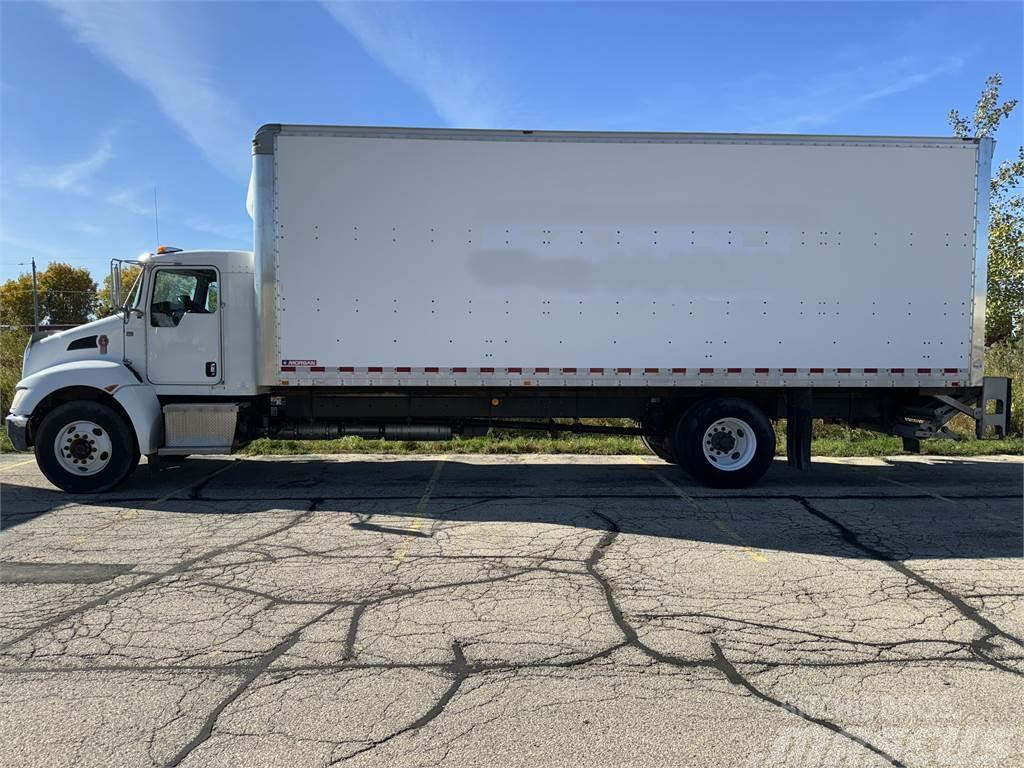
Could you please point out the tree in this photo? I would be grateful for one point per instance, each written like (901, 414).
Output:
(68, 294)
(129, 272)
(1005, 303)
(16, 302)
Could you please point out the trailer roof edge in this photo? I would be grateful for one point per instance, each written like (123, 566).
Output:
(262, 143)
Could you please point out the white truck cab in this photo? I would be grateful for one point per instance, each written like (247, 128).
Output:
(90, 397)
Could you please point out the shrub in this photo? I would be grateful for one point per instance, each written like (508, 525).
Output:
(12, 347)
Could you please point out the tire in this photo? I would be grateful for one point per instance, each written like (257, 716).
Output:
(660, 447)
(96, 448)
(725, 442)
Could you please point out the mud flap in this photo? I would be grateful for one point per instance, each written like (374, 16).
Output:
(798, 428)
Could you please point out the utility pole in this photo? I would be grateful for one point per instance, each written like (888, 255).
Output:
(35, 295)
(35, 298)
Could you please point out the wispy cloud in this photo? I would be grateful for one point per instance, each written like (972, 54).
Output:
(457, 87)
(86, 228)
(70, 177)
(179, 78)
(220, 229)
(825, 99)
(131, 200)
(16, 244)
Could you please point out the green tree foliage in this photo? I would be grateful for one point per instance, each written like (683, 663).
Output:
(16, 302)
(1005, 305)
(129, 273)
(67, 296)
(12, 347)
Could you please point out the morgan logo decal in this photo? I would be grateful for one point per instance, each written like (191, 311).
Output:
(298, 362)
(103, 341)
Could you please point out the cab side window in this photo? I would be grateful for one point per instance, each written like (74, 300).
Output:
(178, 292)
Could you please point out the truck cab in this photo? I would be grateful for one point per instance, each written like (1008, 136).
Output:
(94, 399)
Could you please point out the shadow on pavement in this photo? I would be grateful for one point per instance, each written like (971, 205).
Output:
(958, 508)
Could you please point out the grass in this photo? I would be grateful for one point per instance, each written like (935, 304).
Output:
(863, 443)
(506, 443)
(832, 441)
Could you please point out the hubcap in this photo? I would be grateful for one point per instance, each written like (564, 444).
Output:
(729, 444)
(83, 448)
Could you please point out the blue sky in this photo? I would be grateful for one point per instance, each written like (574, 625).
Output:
(100, 102)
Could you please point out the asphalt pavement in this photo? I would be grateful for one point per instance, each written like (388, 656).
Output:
(513, 611)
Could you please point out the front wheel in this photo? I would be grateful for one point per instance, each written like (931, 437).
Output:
(85, 447)
(725, 442)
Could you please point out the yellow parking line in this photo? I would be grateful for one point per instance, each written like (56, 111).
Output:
(130, 514)
(751, 552)
(19, 464)
(421, 506)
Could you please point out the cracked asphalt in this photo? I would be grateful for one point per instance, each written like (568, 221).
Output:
(514, 611)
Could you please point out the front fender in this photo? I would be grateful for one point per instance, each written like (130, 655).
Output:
(138, 400)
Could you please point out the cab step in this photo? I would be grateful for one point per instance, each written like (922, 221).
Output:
(193, 428)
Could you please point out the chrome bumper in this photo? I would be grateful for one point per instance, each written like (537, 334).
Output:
(17, 431)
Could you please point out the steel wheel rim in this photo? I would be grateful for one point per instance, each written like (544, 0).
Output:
(83, 448)
(729, 444)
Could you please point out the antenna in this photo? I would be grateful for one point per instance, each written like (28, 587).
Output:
(156, 220)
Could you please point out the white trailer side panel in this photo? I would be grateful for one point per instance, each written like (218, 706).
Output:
(685, 260)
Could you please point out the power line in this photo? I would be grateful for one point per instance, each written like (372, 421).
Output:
(66, 259)
(53, 290)
(64, 326)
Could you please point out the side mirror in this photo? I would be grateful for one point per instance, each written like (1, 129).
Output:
(115, 284)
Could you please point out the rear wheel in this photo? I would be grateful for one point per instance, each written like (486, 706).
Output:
(725, 442)
(85, 447)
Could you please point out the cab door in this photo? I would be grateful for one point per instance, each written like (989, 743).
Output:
(183, 329)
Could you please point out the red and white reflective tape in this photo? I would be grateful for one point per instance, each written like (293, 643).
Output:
(295, 374)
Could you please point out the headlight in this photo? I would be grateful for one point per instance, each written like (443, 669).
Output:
(19, 395)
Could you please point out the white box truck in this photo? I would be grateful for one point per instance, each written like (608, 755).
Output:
(420, 283)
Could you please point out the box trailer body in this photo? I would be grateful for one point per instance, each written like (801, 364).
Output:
(418, 283)
(592, 259)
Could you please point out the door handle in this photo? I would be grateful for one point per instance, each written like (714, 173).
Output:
(211, 369)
